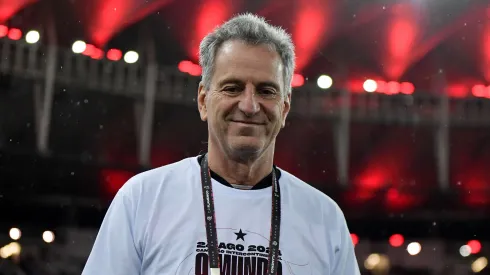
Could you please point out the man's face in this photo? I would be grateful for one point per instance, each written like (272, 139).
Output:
(246, 105)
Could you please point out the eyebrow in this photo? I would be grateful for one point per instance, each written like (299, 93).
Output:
(230, 81)
(240, 82)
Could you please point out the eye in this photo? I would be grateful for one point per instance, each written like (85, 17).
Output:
(231, 89)
(267, 92)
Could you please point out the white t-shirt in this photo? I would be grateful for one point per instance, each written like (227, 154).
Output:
(155, 225)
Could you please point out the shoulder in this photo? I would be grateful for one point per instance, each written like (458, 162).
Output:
(153, 181)
(308, 199)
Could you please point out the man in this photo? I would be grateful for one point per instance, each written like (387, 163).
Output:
(230, 211)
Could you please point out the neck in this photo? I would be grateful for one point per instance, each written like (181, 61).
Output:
(238, 172)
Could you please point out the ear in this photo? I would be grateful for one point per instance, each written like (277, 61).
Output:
(287, 107)
(201, 101)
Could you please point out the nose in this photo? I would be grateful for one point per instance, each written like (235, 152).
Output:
(249, 104)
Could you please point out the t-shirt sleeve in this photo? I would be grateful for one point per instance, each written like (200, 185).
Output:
(345, 258)
(115, 251)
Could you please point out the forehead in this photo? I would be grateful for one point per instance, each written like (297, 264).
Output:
(255, 63)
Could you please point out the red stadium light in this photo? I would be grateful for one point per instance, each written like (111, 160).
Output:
(184, 66)
(190, 68)
(89, 50)
(97, 54)
(393, 87)
(4, 30)
(15, 34)
(195, 70)
(113, 180)
(407, 88)
(457, 90)
(298, 80)
(478, 91)
(475, 246)
(381, 87)
(396, 240)
(93, 52)
(114, 54)
(355, 239)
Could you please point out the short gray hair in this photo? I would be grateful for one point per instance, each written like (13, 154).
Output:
(251, 29)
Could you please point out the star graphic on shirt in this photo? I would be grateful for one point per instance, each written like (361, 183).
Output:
(240, 235)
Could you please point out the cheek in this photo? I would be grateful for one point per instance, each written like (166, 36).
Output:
(276, 112)
(216, 120)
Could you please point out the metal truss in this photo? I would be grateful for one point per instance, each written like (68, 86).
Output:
(147, 83)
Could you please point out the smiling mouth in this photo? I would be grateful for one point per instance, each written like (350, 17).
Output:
(247, 122)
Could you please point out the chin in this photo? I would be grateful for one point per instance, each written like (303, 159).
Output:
(245, 152)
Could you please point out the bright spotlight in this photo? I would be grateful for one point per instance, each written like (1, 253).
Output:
(15, 233)
(131, 57)
(324, 82)
(465, 251)
(377, 263)
(79, 46)
(479, 264)
(48, 236)
(414, 248)
(370, 86)
(372, 261)
(32, 37)
(10, 249)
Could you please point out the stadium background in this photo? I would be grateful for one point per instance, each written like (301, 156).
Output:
(390, 117)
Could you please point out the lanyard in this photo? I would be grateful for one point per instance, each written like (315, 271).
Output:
(210, 218)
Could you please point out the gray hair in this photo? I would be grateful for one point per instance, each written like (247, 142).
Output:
(251, 29)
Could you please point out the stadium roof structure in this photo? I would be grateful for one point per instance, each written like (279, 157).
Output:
(392, 40)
